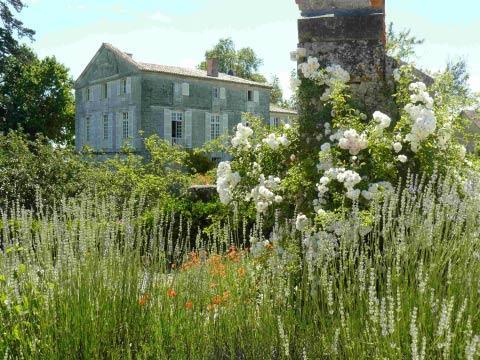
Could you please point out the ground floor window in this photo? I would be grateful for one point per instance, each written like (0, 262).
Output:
(215, 126)
(275, 122)
(177, 127)
(125, 126)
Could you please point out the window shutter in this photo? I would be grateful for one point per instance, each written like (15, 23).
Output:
(208, 127)
(129, 85)
(167, 125)
(224, 124)
(188, 129)
(118, 130)
(176, 89)
(118, 84)
(131, 123)
(272, 122)
(256, 96)
(110, 130)
(186, 89)
(223, 93)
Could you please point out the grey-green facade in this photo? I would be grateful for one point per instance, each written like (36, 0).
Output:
(120, 101)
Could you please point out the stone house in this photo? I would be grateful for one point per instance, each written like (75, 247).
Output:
(121, 101)
(279, 115)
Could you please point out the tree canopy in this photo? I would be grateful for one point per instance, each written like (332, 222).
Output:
(243, 62)
(11, 27)
(36, 97)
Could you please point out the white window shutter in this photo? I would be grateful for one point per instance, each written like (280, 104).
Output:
(223, 93)
(131, 122)
(208, 127)
(110, 130)
(176, 89)
(118, 129)
(188, 129)
(167, 125)
(118, 85)
(224, 124)
(272, 122)
(129, 85)
(185, 89)
(256, 96)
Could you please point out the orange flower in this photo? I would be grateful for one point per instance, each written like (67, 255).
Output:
(188, 305)
(217, 300)
(143, 300)
(171, 293)
(241, 272)
(233, 254)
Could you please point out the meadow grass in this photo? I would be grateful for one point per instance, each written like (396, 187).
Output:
(88, 281)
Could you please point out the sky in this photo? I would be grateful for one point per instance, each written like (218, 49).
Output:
(177, 32)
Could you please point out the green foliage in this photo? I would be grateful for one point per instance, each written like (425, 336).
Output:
(401, 46)
(243, 62)
(11, 28)
(276, 94)
(89, 280)
(36, 97)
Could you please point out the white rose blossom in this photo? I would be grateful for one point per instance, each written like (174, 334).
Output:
(301, 223)
(353, 142)
(226, 182)
(242, 136)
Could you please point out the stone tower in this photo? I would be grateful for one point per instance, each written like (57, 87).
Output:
(350, 33)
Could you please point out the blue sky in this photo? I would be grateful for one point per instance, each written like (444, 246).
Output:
(177, 32)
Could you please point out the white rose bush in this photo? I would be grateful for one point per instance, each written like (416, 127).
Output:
(337, 155)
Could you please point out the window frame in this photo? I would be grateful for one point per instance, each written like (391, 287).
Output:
(178, 126)
(125, 122)
(89, 94)
(215, 124)
(276, 122)
(124, 86)
(105, 91)
(250, 96)
(216, 93)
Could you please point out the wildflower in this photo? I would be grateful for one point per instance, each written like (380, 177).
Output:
(171, 293)
(188, 305)
(301, 223)
(144, 299)
(241, 272)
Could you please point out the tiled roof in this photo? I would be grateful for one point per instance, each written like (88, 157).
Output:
(278, 109)
(175, 70)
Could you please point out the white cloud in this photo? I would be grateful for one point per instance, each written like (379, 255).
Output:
(160, 17)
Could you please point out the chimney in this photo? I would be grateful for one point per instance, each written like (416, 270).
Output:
(212, 67)
(130, 55)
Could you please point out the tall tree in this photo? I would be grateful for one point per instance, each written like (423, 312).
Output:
(244, 62)
(11, 28)
(401, 45)
(276, 95)
(36, 97)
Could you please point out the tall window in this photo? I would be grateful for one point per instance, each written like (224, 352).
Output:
(275, 122)
(125, 126)
(87, 128)
(105, 91)
(216, 93)
(250, 95)
(215, 126)
(88, 94)
(105, 127)
(124, 86)
(177, 127)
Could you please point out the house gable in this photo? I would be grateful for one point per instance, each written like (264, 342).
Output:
(107, 63)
